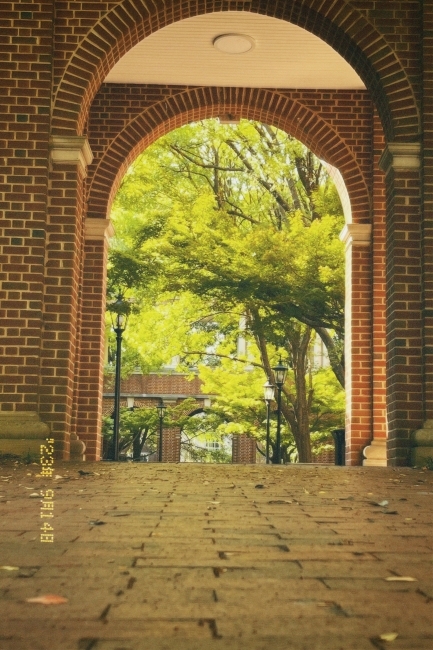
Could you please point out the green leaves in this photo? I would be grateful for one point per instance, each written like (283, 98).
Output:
(217, 223)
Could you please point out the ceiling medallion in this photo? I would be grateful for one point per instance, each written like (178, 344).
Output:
(233, 43)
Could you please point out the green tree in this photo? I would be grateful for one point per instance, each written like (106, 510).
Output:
(222, 225)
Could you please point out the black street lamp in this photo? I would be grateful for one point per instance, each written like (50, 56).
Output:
(161, 410)
(269, 396)
(280, 372)
(119, 316)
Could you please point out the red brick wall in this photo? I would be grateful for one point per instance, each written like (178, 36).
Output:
(157, 384)
(25, 95)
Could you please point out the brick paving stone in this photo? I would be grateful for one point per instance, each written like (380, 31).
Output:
(193, 557)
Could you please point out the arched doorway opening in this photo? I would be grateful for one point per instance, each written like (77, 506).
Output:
(365, 431)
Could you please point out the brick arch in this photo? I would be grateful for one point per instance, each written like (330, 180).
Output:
(338, 24)
(194, 104)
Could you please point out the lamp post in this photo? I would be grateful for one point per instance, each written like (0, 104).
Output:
(269, 396)
(280, 372)
(119, 316)
(161, 409)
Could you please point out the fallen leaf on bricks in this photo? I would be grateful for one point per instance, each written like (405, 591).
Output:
(388, 636)
(259, 486)
(48, 599)
(382, 504)
(400, 579)
(97, 522)
(279, 501)
(10, 568)
(218, 570)
(28, 573)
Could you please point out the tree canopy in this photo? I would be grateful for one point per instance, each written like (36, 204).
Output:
(227, 235)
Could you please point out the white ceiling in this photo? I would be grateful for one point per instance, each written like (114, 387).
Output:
(283, 56)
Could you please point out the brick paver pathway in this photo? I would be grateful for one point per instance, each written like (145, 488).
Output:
(193, 557)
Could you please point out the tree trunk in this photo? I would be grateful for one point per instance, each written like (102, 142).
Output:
(294, 408)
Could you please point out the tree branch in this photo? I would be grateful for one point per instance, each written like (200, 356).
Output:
(223, 356)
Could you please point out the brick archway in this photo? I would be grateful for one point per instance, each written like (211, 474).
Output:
(340, 25)
(52, 286)
(326, 130)
(336, 126)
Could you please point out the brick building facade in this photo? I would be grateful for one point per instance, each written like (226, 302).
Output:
(173, 389)
(68, 137)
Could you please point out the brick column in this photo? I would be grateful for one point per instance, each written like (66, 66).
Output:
(171, 439)
(70, 156)
(375, 453)
(358, 340)
(90, 364)
(423, 438)
(401, 164)
(243, 449)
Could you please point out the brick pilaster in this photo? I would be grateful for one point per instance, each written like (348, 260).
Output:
(243, 449)
(171, 439)
(376, 454)
(70, 156)
(401, 163)
(358, 341)
(427, 185)
(91, 356)
(422, 439)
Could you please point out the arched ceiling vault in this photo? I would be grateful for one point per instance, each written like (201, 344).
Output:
(280, 55)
